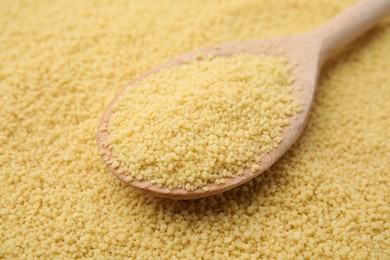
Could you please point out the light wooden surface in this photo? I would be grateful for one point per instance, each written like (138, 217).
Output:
(306, 52)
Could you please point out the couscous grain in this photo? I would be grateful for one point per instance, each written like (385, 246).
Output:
(201, 122)
(61, 62)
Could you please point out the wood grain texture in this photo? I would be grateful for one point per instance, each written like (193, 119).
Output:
(306, 53)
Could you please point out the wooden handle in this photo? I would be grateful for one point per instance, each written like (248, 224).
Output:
(347, 26)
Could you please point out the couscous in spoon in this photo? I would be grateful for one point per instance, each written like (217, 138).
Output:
(307, 53)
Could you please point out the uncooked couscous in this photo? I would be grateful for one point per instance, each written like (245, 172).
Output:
(201, 122)
(61, 63)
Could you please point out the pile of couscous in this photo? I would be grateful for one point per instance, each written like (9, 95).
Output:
(61, 62)
(200, 122)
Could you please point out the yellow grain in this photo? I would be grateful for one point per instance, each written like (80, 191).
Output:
(199, 123)
(61, 62)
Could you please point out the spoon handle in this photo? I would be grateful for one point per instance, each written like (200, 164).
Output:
(347, 26)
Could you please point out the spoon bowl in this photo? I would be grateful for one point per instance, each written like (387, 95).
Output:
(305, 53)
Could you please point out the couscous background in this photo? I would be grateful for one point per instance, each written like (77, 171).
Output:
(61, 62)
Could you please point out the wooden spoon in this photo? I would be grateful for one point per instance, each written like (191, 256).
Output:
(307, 52)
